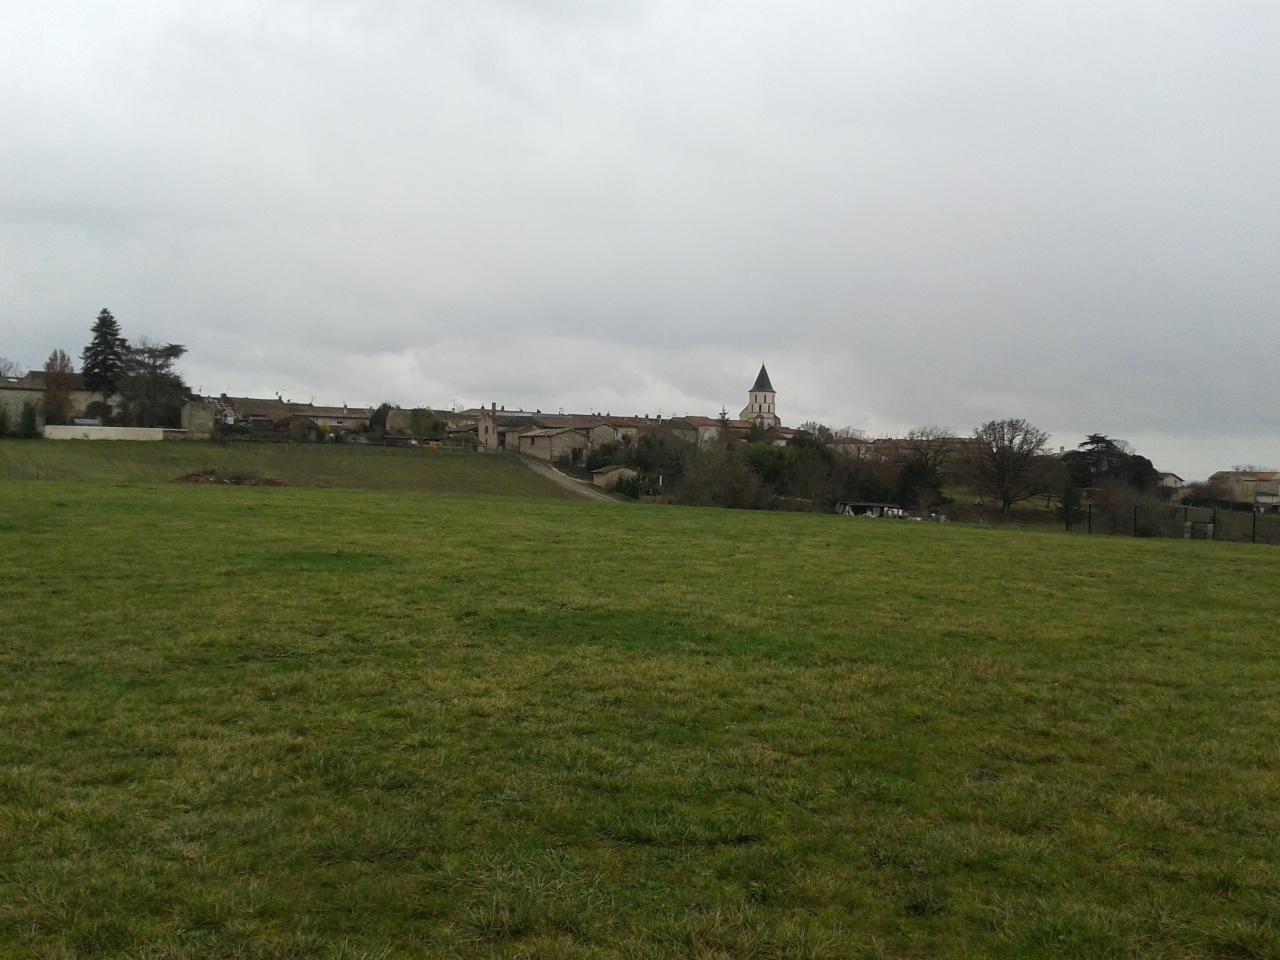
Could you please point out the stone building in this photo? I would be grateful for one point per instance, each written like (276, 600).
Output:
(761, 408)
(16, 394)
(572, 436)
(554, 443)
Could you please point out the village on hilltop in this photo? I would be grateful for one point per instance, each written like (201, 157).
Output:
(134, 391)
(545, 436)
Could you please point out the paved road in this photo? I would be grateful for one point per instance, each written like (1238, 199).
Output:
(580, 487)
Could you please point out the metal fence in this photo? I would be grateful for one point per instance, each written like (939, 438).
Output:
(1180, 522)
(17, 470)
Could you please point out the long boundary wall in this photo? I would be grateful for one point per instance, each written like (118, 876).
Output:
(60, 432)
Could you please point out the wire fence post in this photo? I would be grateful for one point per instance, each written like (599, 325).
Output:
(1254, 538)
(1213, 525)
(1089, 528)
(1135, 519)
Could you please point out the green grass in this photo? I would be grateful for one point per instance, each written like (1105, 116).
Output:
(265, 723)
(346, 466)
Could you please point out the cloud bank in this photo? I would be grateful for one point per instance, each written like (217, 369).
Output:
(912, 212)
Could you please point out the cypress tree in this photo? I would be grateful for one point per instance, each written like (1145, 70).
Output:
(105, 356)
(30, 423)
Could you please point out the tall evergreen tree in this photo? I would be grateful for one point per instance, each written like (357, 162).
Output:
(105, 357)
(152, 390)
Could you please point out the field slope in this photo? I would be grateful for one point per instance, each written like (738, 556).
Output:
(344, 466)
(266, 723)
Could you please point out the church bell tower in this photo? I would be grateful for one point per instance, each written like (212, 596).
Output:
(760, 408)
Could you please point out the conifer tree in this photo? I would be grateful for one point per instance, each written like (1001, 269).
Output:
(105, 356)
(152, 390)
(29, 424)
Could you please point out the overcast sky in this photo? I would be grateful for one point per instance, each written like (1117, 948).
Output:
(912, 212)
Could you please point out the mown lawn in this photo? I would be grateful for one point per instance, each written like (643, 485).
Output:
(346, 466)
(265, 723)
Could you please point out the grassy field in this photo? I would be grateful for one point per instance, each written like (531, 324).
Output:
(345, 466)
(296, 723)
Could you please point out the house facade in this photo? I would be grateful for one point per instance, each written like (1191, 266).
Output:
(1259, 488)
(15, 392)
(555, 443)
(572, 436)
(274, 414)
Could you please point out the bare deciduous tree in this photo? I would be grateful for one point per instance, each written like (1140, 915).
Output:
(59, 381)
(821, 432)
(1005, 461)
(933, 447)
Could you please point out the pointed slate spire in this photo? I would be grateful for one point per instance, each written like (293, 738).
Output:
(762, 381)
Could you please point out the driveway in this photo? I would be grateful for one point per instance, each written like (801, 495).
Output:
(580, 487)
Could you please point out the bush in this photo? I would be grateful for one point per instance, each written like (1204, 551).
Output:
(4, 422)
(30, 423)
(100, 411)
(721, 477)
(606, 454)
(634, 486)
(1071, 504)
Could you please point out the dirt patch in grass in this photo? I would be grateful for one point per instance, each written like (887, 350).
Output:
(234, 479)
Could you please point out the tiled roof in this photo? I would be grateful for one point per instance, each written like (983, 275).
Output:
(272, 408)
(354, 413)
(550, 431)
(762, 381)
(35, 378)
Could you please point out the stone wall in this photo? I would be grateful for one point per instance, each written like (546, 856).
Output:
(12, 399)
(52, 432)
(555, 446)
(197, 420)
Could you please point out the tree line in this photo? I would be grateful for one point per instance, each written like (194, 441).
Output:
(142, 375)
(1001, 464)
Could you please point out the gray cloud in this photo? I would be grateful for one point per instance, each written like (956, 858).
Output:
(913, 212)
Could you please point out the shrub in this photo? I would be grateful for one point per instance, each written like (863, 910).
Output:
(4, 421)
(566, 462)
(100, 411)
(30, 422)
(633, 486)
(603, 455)
(1071, 504)
(721, 477)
